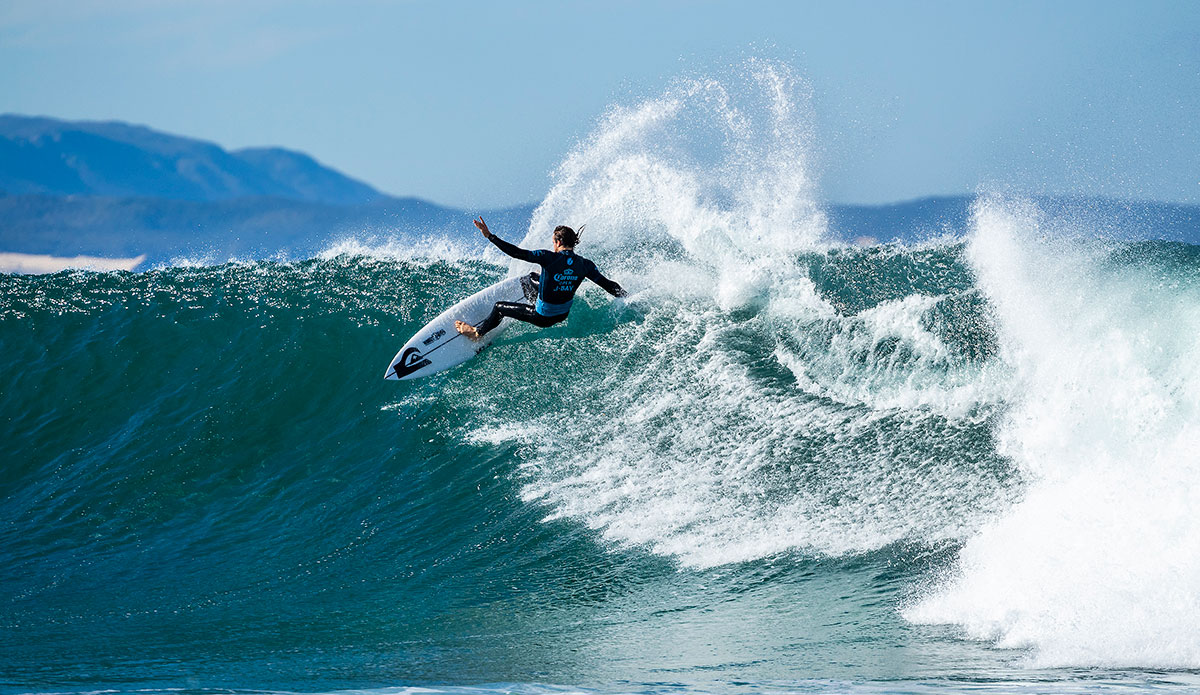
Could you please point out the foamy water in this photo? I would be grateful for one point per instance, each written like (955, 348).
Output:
(1099, 564)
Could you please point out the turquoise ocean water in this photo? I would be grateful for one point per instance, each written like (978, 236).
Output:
(782, 465)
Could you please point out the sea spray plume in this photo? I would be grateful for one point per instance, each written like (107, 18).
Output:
(743, 414)
(1099, 564)
(709, 172)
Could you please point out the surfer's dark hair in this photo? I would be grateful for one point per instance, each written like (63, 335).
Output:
(566, 236)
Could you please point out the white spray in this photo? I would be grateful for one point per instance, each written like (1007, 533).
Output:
(1099, 564)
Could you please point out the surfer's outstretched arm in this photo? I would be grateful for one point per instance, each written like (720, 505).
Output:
(609, 286)
(510, 249)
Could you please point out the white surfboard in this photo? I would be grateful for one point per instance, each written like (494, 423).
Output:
(438, 346)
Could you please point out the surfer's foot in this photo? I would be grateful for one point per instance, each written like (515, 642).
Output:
(466, 329)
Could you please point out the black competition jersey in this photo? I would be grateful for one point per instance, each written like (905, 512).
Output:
(562, 273)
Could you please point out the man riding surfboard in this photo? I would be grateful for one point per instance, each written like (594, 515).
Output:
(562, 273)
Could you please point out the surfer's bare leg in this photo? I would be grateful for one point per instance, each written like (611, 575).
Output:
(467, 330)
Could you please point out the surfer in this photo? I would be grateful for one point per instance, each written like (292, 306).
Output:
(562, 273)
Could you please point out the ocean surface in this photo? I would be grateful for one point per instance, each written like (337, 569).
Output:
(782, 465)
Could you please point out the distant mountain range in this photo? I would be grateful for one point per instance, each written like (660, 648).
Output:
(51, 157)
(113, 189)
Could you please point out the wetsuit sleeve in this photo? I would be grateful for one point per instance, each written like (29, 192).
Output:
(516, 251)
(609, 286)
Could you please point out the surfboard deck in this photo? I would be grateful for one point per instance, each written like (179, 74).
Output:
(438, 346)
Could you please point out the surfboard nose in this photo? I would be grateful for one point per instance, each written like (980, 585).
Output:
(439, 346)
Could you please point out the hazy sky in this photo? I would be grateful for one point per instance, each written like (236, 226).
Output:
(473, 103)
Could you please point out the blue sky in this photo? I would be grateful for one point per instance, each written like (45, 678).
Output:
(472, 104)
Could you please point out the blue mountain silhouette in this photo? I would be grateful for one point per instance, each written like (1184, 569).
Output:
(114, 189)
(52, 157)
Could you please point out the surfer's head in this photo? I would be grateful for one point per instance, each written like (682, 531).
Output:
(565, 237)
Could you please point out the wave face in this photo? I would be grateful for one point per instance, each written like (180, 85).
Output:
(202, 464)
(781, 463)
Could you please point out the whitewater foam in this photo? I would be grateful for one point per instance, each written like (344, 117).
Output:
(904, 365)
(1099, 564)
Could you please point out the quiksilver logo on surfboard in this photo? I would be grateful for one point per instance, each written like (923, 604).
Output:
(409, 362)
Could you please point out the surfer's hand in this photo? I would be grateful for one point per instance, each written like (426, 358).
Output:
(482, 227)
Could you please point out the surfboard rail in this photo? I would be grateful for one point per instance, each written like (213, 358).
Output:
(438, 346)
